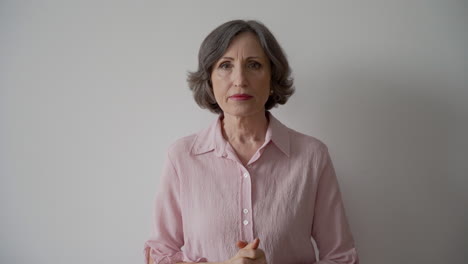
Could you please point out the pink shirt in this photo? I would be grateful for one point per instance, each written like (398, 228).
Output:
(288, 193)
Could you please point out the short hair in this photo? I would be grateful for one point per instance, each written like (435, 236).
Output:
(213, 48)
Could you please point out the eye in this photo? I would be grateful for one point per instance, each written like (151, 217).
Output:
(225, 65)
(254, 65)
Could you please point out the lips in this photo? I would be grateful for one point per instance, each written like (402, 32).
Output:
(240, 97)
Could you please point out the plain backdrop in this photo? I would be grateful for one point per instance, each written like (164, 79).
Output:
(93, 93)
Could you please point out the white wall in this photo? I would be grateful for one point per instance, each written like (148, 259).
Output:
(93, 92)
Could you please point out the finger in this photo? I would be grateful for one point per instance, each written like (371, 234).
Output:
(247, 254)
(254, 254)
(253, 245)
(244, 261)
(241, 244)
(256, 243)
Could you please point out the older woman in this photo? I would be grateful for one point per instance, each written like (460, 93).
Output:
(247, 189)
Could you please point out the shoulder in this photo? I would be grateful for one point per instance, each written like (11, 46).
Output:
(181, 146)
(192, 144)
(310, 149)
(306, 142)
(186, 148)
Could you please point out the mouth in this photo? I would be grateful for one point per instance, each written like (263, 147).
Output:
(240, 97)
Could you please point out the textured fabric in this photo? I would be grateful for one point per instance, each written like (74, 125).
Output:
(207, 201)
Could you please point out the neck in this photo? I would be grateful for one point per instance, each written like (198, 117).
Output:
(245, 129)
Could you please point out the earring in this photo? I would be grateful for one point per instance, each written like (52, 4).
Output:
(271, 92)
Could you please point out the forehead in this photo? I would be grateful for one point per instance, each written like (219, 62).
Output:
(246, 43)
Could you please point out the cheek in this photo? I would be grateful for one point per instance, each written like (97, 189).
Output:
(218, 88)
(220, 74)
(265, 83)
(263, 77)
(219, 83)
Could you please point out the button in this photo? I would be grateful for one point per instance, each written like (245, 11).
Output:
(246, 175)
(246, 222)
(245, 211)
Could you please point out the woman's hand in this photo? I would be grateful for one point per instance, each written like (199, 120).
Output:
(248, 253)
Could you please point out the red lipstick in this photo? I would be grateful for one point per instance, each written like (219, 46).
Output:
(240, 97)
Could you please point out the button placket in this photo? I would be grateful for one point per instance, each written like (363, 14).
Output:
(246, 205)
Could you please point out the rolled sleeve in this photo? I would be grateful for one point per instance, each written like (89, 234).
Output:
(167, 239)
(330, 228)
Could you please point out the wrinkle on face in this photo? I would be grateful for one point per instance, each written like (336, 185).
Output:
(244, 68)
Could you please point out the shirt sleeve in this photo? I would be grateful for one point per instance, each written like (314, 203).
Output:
(330, 228)
(166, 241)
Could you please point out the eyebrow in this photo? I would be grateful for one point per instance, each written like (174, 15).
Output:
(251, 57)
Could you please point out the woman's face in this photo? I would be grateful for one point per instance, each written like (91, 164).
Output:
(241, 77)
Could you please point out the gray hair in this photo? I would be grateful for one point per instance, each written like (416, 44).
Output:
(215, 45)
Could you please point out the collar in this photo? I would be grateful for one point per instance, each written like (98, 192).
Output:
(211, 138)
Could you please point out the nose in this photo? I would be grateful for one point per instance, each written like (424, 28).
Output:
(239, 77)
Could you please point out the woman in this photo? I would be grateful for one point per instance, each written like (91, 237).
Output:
(247, 189)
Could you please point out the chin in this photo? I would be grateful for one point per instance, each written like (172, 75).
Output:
(244, 112)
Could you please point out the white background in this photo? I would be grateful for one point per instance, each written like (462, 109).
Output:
(92, 94)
